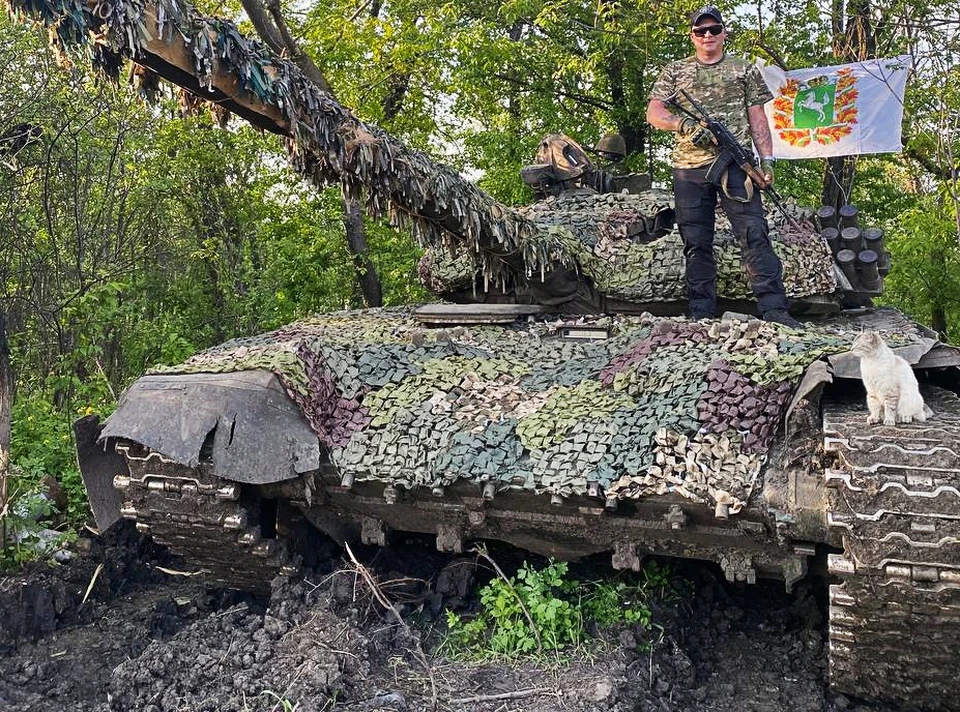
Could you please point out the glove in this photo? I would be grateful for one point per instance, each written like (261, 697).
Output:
(695, 133)
(766, 167)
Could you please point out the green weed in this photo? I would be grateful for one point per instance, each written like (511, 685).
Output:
(282, 703)
(541, 610)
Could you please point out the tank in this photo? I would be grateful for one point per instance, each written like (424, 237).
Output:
(555, 401)
(731, 440)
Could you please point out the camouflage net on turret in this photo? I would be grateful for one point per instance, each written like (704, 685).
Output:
(662, 405)
(594, 230)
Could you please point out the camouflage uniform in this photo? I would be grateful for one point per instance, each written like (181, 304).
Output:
(725, 89)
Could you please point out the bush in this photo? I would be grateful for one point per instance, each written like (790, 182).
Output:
(42, 449)
(540, 610)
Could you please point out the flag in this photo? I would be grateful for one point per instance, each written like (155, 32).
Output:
(837, 111)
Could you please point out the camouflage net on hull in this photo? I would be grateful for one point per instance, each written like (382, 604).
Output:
(594, 230)
(661, 405)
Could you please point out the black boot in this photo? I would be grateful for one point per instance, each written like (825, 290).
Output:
(782, 316)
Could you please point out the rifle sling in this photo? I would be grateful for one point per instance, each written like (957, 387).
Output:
(719, 173)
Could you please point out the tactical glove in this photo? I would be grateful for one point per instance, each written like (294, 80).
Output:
(695, 133)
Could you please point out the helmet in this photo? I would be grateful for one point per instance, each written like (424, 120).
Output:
(613, 145)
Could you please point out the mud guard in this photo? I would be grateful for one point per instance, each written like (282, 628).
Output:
(259, 434)
(98, 463)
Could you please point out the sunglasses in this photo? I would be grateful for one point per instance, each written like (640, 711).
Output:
(712, 29)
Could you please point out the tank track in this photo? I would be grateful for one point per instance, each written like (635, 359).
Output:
(893, 494)
(201, 518)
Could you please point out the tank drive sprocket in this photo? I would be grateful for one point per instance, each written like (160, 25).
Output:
(201, 518)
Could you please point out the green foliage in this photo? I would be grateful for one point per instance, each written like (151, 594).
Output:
(608, 603)
(926, 256)
(281, 703)
(540, 610)
(42, 446)
(26, 526)
(27, 540)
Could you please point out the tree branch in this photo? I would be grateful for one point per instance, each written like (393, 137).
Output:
(773, 54)
(589, 101)
(932, 167)
(273, 29)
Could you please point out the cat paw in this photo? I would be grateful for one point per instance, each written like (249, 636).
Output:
(872, 419)
(889, 421)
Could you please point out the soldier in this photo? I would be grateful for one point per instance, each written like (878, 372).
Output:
(733, 92)
(611, 149)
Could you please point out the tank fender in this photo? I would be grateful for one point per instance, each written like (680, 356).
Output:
(259, 435)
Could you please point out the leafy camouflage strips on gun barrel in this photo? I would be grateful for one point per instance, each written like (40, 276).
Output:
(662, 405)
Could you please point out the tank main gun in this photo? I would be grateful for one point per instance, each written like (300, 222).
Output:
(326, 142)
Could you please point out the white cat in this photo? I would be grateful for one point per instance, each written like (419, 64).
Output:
(893, 394)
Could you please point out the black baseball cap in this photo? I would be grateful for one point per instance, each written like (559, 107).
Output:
(705, 11)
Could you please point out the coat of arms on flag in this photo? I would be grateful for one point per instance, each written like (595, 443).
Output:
(835, 111)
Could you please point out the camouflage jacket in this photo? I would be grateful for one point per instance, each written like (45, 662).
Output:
(725, 89)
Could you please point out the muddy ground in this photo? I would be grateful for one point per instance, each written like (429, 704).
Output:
(148, 641)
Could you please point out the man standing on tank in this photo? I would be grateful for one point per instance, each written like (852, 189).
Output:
(733, 92)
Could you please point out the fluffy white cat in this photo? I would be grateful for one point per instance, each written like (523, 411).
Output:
(893, 395)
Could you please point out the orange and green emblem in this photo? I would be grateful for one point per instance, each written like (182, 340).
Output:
(822, 110)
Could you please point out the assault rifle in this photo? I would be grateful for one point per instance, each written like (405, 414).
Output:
(730, 149)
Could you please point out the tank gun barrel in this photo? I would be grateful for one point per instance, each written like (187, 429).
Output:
(211, 58)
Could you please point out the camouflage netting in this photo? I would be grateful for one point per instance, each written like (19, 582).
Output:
(662, 405)
(326, 142)
(594, 230)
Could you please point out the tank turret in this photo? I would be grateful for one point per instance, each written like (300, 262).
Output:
(615, 249)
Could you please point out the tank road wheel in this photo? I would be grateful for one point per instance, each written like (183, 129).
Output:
(205, 520)
(894, 497)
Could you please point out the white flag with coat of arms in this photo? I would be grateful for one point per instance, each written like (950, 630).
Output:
(837, 111)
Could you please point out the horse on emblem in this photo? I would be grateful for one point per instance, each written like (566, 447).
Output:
(812, 103)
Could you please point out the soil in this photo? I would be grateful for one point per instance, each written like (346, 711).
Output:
(150, 641)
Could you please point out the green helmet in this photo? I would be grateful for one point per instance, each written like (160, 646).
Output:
(613, 145)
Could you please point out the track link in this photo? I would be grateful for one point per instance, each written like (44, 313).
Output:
(205, 520)
(894, 496)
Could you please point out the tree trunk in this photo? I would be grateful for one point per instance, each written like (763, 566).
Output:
(633, 134)
(357, 246)
(272, 29)
(838, 176)
(938, 320)
(854, 40)
(6, 402)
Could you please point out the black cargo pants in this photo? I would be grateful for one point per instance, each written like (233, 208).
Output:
(695, 206)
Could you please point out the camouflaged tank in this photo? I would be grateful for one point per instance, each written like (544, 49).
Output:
(560, 416)
(553, 410)
(732, 440)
